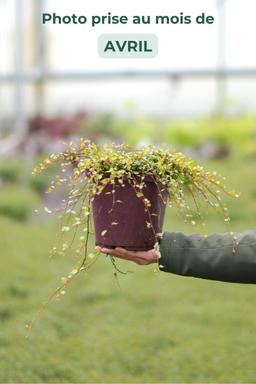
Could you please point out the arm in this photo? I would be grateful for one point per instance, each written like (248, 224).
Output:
(207, 258)
(213, 257)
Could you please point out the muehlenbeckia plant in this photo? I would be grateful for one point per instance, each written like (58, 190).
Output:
(85, 169)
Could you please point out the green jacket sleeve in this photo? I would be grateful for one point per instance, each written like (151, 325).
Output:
(213, 257)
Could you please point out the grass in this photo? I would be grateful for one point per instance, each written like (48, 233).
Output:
(17, 202)
(154, 328)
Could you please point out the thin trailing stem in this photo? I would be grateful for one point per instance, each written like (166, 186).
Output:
(113, 261)
(58, 291)
(87, 232)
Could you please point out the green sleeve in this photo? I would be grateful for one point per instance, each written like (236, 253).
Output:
(213, 257)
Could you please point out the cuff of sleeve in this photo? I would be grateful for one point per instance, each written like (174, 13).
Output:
(168, 251)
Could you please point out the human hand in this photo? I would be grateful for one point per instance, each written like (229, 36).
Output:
(140, 257)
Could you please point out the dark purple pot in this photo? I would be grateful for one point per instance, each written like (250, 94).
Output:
(131, 231)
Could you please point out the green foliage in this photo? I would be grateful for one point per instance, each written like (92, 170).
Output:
(183, 134)
(40, 183)
(238, 134)
(12, 170)
(234, 132)
(138, 131)
(101, 125)
(17, 202)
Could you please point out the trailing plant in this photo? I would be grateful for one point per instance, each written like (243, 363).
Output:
(86, 170)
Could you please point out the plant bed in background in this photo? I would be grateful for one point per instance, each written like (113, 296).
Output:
(17, 202)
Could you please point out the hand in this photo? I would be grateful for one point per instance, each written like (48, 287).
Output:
(140, 257)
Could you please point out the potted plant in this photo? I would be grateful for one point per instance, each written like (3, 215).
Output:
(125, 191)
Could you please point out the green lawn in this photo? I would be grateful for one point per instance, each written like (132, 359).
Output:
(155, 327)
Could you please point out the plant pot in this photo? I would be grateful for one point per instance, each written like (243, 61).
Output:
(121, 219)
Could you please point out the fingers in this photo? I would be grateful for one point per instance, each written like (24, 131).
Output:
(119, 252)
(124, 252)
(114, 252)
(108, 251)
(141, 258)
(137, 257)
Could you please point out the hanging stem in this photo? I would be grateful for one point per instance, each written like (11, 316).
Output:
(87, 231)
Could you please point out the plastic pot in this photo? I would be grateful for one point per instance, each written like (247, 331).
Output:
(121, 219)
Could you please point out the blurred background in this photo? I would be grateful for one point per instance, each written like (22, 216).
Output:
(199, 96)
